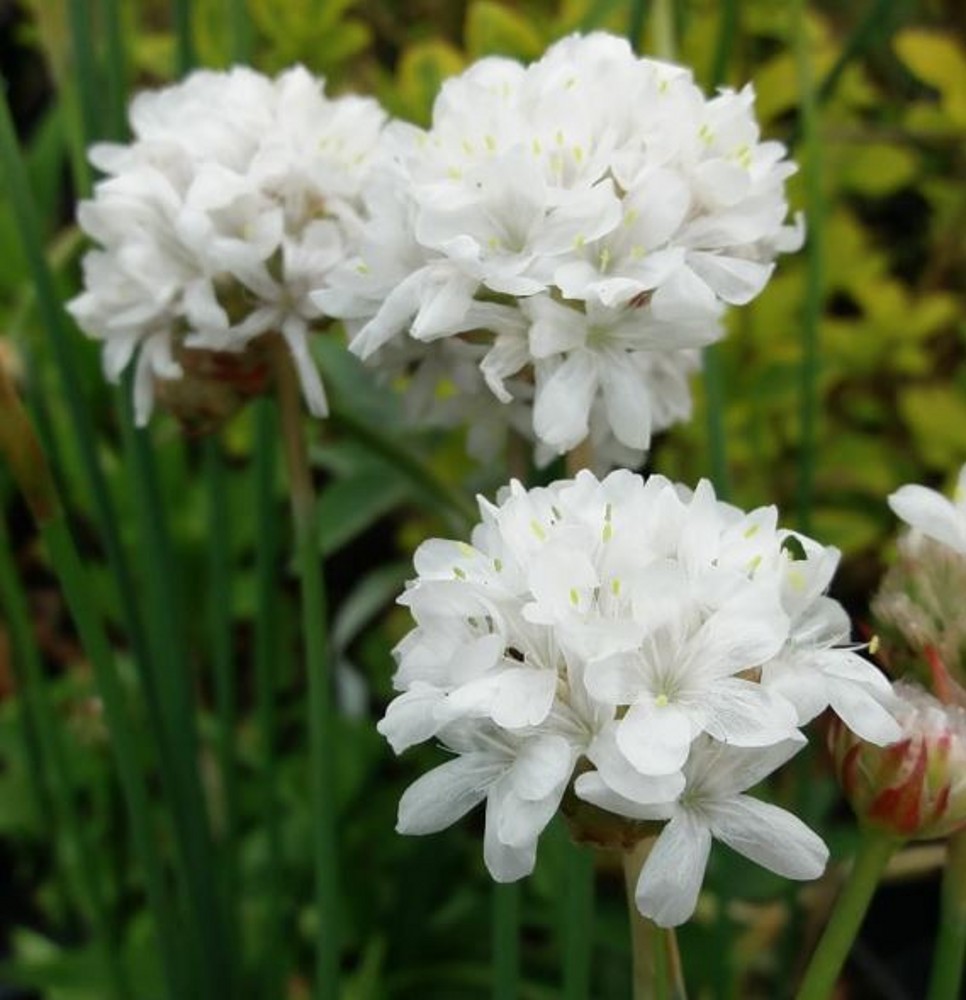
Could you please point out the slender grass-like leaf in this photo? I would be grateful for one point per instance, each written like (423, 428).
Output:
(461, 510)
(506, 940)
(80, 864)
(179, 747)
(714, 382)
(814, 268)
(86, 76)
(115, 66)
(241, 31)
(319, 681)
(225, 686)
(184, 46)
(59, 341)
(578, 922)
(265, 513)
(636, 21)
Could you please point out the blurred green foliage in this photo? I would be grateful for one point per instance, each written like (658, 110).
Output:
(892, 383)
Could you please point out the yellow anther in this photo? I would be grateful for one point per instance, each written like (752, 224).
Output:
(537, 530)
(615, 587)
(466, 550)
(608, 532)
(458, 573)
(574, 597)
(752, 531)
(662, 701)
(874, 645)
(490, 142)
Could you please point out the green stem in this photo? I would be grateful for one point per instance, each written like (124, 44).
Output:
(714, 383)
(578, 922)
(226, 694)
(266, 679)
(506, 940)
(663, 43)
(85, 70)
(116, 69)
(875, 849)
(183, 41)
(321, 715)
(635, 24)
(657, 972)
(814, 273)
(950, 955)
(241, 31)
(178, 737)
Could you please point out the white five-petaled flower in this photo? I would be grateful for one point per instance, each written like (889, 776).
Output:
(237, 196)
(588, 217)
(661, 645)
(931, 513)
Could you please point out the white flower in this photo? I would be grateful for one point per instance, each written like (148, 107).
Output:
(621, 630)
(599, 196)
(931, 513)
(237, 196)
(713, 805)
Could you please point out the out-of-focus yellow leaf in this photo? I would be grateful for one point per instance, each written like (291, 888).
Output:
(877, 169)
(936, 415)
(494, 29)
(941, 63)
(421, 70)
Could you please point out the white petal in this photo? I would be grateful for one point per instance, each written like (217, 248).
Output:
(863, 712)
(442, 796)
(562, 407)
(409, 719)
(505, 863)
(932, 514)
(769, 836)
(626, 402)
(745, 714)
(655, 739)
(670, 881)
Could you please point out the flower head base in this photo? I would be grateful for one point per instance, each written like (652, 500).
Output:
(916, 787)
(638, 648)
(237, 197)
(587, 219)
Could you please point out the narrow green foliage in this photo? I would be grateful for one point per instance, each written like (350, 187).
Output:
(115, 65)
(225, 686)
(81, 867)
(184, 47)
(506, 940)
(949, 958)
(578, 922)
(815, 271)
(265, 458)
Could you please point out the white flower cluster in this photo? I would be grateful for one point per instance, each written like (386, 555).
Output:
(650, 650)
(235, 199)
(583, 221)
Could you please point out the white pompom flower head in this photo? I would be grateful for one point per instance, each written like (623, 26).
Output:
(588, 218)
(635, 654)
(236, 197)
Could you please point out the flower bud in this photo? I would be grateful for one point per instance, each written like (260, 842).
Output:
(916, 787)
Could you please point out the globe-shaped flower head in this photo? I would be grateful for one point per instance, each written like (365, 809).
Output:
(648, 652)
(582, 223)
(237, 196)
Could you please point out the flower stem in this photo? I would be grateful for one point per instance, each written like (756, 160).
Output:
(321, 742)
(814, 269)
(657, 968)
(662, 29)
(875, 849)
(578, 921)
(950, 954)
(506, 940)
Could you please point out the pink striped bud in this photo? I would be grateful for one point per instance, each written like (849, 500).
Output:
(915, 787)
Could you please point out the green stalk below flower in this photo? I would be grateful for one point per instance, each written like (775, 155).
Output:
(875, 849)
(950, 955)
